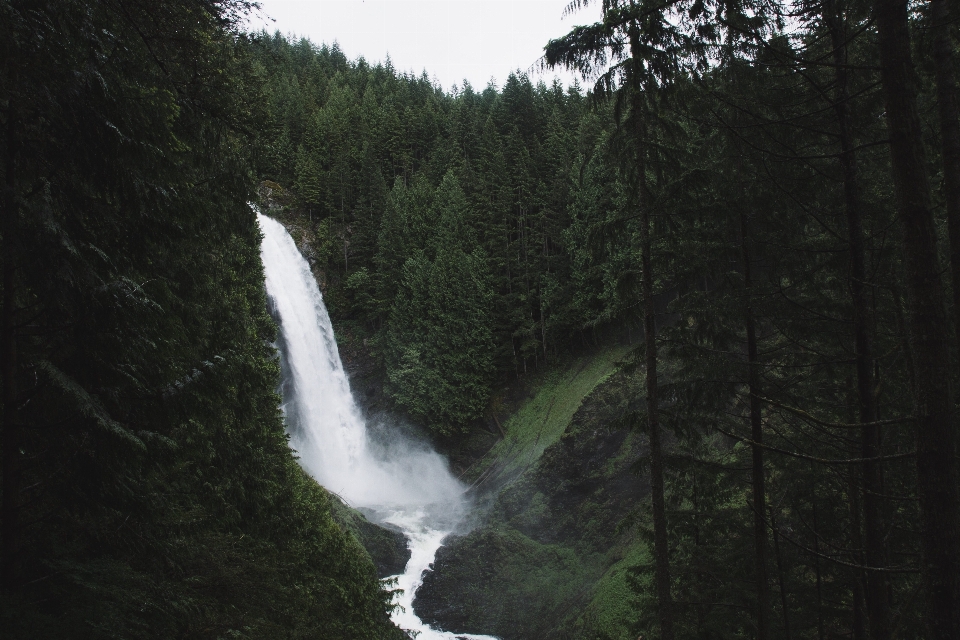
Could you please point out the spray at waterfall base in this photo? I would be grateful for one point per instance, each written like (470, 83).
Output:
(394, 479)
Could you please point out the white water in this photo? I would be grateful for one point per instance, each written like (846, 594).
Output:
(404, 483)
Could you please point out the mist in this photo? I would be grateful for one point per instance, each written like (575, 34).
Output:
(393, 478)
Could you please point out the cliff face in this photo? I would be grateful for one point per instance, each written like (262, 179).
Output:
(386, 545)
(550, 559)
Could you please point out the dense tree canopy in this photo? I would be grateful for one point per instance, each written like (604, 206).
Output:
(765, 193)
(747, 181)
(147, 488)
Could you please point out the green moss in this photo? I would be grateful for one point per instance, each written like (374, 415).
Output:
(507, 584)
(541, 420)
(550, 560)
(536, 512)
(622, 457)
(611, 613)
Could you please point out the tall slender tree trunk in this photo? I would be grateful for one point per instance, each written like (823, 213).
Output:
(877, 586)
(927, 330)
(858, 622)
(821, 631)
(10, 439)
(781, 577)
(343, 222)
(661, 550)
(756, 434)
(948, 105)
(660, 546)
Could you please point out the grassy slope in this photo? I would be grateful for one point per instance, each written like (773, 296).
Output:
(541, 420)
(548, 562)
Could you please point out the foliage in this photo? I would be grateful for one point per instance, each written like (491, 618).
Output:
(463, 272)
(387, 547)
(544, 417)
(438, 343)
(148, 489)
(529, 584)
(548, 560)
(764, 171)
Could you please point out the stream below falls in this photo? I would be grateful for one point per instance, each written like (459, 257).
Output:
(403, 482)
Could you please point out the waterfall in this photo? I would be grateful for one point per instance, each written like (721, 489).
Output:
(404, 483)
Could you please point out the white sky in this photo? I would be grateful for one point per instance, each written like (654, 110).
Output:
(452, 40)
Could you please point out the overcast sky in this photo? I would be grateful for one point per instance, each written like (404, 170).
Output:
(452, 40)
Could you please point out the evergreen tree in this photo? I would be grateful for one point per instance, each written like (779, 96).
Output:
(147, 487)
(439, 347)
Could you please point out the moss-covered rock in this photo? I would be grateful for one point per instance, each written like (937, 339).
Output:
(502, 582)
(387, 546)
(551, 560)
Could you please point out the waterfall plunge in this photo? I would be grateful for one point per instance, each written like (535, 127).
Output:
(404, 483)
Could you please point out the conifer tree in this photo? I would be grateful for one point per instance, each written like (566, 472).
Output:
(927, 326)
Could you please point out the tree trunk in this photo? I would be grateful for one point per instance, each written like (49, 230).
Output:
(10, 441)
(877, 585)
(857, 623)
(821, 632)
(927, 330)
(781, 578)
(756, 434)
(949, 109)
(661, 549)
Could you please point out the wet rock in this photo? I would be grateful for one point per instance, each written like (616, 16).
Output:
(529, 570)
(385, 543)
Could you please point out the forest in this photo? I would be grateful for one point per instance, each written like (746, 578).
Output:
(148, 489)
(760, 199)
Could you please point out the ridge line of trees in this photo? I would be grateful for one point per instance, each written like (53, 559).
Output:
(744, 184)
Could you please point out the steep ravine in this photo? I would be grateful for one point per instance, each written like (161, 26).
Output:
(548, 560)
(386, 545)
(400, 481)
